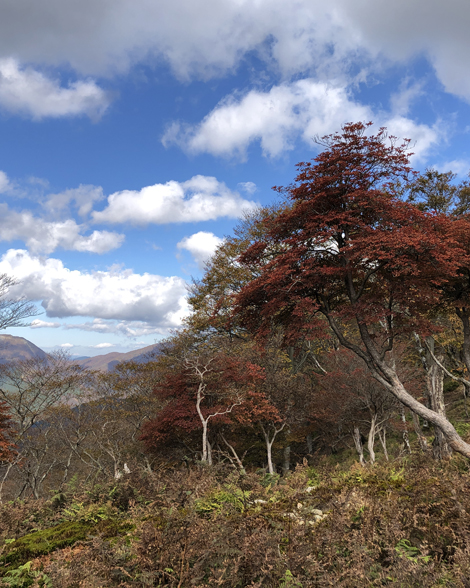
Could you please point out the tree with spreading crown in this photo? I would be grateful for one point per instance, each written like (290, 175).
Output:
(352, 260)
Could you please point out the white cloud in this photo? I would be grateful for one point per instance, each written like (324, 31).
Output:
(38, 324)
(197, 38)
(116, 294)
(423, 137)
(248, 187)
(211, 37)
(29, 92)
(66, 345)
(201, 245)
(4, 182)
(283, 115)
(129, 329)
(41, 236)
(103, 345)
(83, 199)
(461, 167)
(201, 198)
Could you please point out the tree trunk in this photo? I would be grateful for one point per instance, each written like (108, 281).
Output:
(209, 451)
(419, 433)
(358, 444)
(235, 455)
(466, 391)
(269, 444)
(387, 376)
(406, 439)
(439, 421)
(286, 461)
(435, 388)
(383, 441)
(371, 439)
(205, 447)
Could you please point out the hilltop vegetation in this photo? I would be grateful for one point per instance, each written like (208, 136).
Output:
(307, 427)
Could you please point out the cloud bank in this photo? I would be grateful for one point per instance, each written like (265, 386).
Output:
(211, 37)
(116, 294)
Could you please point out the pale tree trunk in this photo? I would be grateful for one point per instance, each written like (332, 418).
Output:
(387, 376)
(371, 439)
(383, 441)
(358, 444)
(209, 452)
(269, 444)
(406, 439)
(235, 455)
(201, 371)
(453, 438)
(435, 388)
(9, 467)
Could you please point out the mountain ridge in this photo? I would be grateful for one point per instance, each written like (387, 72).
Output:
(18, 348)
(13, 348)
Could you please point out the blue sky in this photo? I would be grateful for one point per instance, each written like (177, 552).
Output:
(134, 133)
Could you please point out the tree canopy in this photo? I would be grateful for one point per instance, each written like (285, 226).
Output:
(352, 251)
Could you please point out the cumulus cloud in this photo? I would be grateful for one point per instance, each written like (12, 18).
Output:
(4, 182)
(103, 345)
(211, 37)
(201, 245)
(66, 345)
(116, 294)
(279, 117)
(29, 92)
(38, 324)
(81, 198)
(201, 198)
(41, 236)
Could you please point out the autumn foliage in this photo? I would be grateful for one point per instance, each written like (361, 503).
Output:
(7, 447)
(228, 383)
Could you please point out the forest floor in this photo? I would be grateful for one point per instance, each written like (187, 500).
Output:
(401, 523)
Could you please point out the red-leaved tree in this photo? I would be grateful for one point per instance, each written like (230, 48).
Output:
(7, 447)
(201, 389)
(351, 251)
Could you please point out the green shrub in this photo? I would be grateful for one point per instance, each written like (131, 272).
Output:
(228, 495)
(24, 576)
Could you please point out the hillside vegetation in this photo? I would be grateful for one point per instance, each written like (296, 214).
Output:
(400, 524)
(308, 426)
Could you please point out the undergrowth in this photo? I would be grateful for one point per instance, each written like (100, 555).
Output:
(403, 524)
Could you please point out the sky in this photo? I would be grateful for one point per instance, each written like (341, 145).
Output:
(135, 133)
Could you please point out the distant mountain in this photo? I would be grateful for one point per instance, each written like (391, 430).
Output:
(106, 363)
(17, 348)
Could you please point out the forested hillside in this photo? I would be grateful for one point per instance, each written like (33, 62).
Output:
(308, 426)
